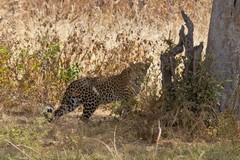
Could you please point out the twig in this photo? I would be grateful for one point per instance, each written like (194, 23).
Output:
(159, 136)
(114, 143)
(18, 149)
(30, 149)
(114, 152)
(109, 149)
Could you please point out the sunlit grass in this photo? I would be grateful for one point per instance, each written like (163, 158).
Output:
(37, 139)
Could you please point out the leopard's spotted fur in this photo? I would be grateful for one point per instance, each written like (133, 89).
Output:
(93, 91)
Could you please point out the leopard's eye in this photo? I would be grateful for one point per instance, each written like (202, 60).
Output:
(139, 80)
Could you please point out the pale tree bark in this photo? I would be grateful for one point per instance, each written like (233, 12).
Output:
(224, 46)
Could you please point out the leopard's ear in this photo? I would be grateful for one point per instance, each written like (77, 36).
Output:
(148, 64)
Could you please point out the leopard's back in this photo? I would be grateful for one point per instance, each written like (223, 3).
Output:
(93, 91)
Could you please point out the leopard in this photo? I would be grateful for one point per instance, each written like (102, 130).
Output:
(94, 91)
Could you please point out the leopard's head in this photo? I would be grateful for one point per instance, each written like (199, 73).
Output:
(138, 71)
(48, 113)
(51, 115)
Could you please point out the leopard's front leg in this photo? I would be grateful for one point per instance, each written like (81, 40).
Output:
(126, 108)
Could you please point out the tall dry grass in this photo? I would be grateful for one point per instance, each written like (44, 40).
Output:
(100, 36)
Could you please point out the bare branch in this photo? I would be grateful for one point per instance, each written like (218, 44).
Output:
(189, 23)
(24, 153)
(189, 36)
(179, 47)
(188, 44)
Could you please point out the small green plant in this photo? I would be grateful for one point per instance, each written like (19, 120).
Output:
(23, 140)
(26, 134)
(69, 74)
(35, 74)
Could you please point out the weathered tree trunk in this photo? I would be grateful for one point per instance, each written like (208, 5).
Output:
(224, 46)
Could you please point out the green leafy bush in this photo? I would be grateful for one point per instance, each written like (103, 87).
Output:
(38, 76)
(69, 74)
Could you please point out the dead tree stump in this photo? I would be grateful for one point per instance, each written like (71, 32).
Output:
(192, 54)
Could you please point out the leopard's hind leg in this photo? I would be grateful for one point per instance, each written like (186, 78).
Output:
(89, 109)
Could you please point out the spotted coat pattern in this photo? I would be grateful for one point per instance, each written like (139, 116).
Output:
(93, 91)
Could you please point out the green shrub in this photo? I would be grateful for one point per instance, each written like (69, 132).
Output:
(35, 74)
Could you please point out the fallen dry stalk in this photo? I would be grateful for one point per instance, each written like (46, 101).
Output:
(113, 152)
(114, 143)
(18, 149)
(159, 136)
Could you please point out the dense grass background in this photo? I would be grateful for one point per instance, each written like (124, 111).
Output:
(46, 44)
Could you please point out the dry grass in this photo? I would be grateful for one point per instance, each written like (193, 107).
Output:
(95, 32)
(102, 37)
(31, 137)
